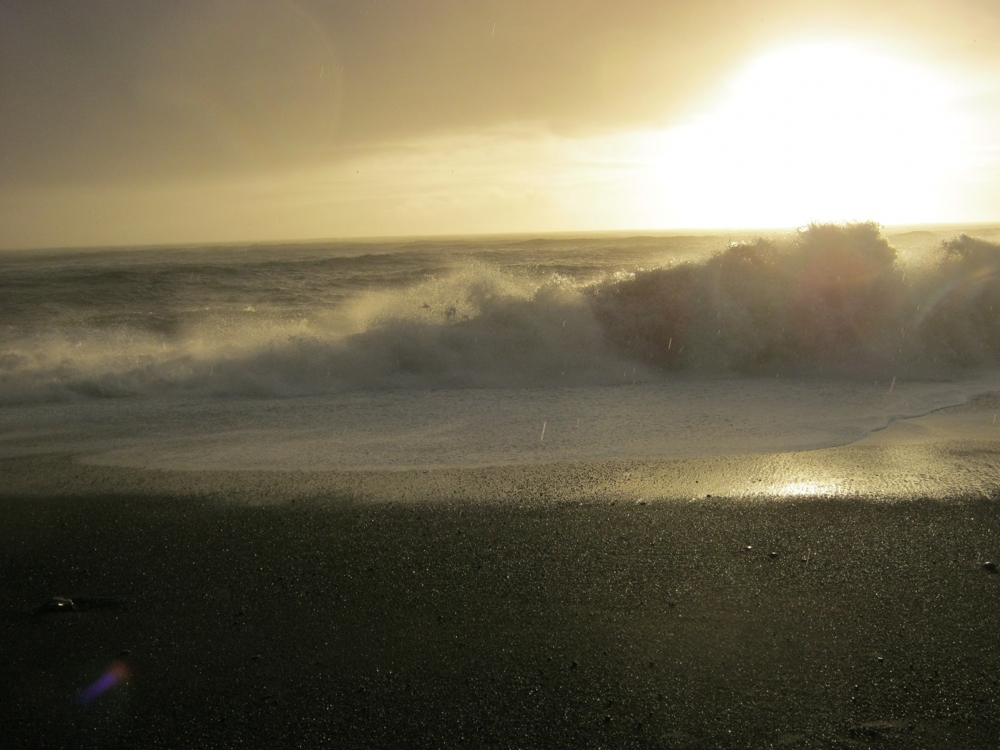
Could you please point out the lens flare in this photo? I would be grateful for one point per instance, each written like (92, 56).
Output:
(117, 673)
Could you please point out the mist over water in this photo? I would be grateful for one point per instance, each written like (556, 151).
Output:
(298, 320)
(828, 300)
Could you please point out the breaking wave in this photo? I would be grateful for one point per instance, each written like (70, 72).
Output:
(831, 299)
(826, 300)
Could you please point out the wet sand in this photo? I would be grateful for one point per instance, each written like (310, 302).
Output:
(833, 598)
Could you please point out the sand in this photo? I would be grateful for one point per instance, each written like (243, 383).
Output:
(833, 598)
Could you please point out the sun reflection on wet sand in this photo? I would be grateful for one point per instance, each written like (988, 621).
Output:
(807, 489)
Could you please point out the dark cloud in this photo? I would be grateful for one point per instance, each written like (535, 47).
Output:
(123, 90)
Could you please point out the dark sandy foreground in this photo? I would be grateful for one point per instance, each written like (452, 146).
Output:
(318, 619)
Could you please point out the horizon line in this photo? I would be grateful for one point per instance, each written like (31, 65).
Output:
(495, 236)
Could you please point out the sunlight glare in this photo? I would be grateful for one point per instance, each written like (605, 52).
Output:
(806, 489)
(815, 131)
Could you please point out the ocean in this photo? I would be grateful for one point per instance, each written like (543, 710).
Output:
(484, 351)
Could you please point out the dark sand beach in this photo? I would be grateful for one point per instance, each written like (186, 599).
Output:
(604, 605)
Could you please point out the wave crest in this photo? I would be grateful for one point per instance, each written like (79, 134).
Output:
(830, 299)
(826, 300)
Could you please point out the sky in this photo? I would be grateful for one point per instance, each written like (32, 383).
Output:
(127, 123)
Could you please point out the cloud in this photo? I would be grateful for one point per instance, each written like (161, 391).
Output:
(111, 91)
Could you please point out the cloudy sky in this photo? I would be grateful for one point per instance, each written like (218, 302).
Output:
(125, 122)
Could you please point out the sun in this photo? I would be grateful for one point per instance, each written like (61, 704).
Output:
(827, 130)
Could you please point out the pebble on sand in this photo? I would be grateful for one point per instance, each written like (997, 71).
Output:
(989, 566)
(59, 604)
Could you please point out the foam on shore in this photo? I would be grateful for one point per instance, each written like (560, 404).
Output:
(679, 419)
(949, 454)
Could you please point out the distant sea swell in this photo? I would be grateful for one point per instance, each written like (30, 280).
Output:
(830, 300)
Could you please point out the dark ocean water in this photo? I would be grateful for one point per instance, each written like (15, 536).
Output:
(267, 319)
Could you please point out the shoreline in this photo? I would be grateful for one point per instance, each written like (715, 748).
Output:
(949, 452)
(589, 605)
(941, 453)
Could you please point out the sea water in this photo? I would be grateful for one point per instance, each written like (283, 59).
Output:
(392, 354)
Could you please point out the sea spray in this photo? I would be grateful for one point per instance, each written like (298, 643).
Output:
(831, 299)
(828, 300)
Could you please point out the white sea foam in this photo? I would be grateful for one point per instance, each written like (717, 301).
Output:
(830, 300)
(685, 417)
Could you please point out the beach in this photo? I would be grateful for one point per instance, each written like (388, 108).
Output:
(508, 375)
(615, 604)
(615, 492)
